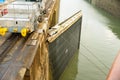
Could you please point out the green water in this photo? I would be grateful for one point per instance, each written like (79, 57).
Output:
(100, 41)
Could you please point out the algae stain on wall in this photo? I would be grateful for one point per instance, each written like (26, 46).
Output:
(111, 6)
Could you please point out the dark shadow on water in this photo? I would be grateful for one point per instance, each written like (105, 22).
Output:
(113, 24)
(71, 70)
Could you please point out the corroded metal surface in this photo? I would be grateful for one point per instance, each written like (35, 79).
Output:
(29, 56)
(9, 66)
(57, 30)
(3, 39)
(7, 45)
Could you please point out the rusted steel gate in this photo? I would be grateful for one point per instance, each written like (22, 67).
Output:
(64, 41)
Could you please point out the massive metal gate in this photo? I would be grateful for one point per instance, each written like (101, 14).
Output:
(64, 47)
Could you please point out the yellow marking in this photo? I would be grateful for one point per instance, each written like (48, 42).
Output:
(3, 31)
(24, 32)
(15, 29)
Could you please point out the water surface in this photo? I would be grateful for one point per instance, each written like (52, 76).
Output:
(100, 41)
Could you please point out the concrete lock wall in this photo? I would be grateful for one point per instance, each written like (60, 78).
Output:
(112, 6)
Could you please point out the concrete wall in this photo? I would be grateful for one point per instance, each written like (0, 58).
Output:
(112, 6)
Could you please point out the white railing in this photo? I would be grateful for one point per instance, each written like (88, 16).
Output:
(19, 14)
